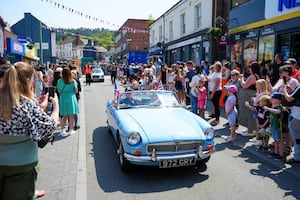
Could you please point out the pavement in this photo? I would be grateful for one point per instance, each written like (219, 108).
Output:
(62, 166)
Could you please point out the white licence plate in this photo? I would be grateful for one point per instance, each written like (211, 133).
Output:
(177, 162)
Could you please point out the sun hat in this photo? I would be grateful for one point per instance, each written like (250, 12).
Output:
(59, 69)
(292, 61)
(276, 95)
(231, 88)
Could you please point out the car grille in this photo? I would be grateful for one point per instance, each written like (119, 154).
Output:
(173, 147)
(96, 76)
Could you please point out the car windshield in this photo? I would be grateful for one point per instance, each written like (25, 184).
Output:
(98, 71)
(153, 98)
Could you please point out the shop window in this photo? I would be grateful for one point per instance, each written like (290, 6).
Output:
(266, 48)
(250, 51)
(285, 46)
(236, 51)
(296, 47)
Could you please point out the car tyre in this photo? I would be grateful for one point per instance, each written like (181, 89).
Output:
(205, 160)
(124, 163)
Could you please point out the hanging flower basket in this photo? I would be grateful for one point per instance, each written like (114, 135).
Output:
(214, 32)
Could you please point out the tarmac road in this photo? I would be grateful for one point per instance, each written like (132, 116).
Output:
(235, 171)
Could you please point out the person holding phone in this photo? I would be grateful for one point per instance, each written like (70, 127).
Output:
(286, 78)
(23, 122)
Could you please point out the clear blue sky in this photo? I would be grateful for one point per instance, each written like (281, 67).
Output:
(109, 13)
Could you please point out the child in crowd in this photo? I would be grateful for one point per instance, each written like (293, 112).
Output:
(231, 111)
(276, 125)
(261, 89)
(201, 91)
(263, 121)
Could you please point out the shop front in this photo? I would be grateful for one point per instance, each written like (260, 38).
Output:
(277, 32)
(31, 55)
(15, 50)
(195, 49)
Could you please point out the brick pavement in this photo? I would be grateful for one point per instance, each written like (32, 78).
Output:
(62, 166)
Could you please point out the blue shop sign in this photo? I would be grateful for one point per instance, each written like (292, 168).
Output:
(15, 47)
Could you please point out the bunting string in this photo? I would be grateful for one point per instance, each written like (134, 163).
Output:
(96, 19)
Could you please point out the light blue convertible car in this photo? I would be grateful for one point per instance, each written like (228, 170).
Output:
(151, 128)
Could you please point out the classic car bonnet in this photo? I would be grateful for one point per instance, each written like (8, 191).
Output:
(169, 124)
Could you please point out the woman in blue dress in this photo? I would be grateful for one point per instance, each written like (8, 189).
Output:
(67, 88)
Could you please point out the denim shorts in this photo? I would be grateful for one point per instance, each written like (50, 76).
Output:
(276, 134)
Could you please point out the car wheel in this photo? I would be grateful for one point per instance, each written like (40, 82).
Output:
(205, 160)
(124, 163)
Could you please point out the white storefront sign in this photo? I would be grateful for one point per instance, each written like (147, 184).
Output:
(45, 46)
(274, 8)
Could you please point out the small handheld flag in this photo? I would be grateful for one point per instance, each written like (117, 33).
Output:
(116, 92)
(160, 86)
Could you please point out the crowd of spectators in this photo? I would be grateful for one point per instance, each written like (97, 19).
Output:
(267, 95)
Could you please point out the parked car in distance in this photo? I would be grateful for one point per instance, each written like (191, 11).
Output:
(151, 128)
(97, 75)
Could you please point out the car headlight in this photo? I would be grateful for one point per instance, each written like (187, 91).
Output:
(209, 133)
(133, 138)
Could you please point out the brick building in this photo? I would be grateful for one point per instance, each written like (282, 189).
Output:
(132, 42)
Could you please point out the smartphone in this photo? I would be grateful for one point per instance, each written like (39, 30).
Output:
(50, 91)
(284, 80)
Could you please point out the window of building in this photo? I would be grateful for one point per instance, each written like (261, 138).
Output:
(153, 37)
(182, 24)
(198, 16)
(171, 31)
(160, 34)
(236, 3)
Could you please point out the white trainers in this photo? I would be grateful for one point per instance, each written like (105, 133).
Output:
(247, 134)
(72, 132)
(63, 133)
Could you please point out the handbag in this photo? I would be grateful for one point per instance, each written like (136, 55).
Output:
(45, 140)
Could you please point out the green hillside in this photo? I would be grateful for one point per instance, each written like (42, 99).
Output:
(104, 37)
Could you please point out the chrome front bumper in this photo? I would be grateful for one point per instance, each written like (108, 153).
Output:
(155, 158)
